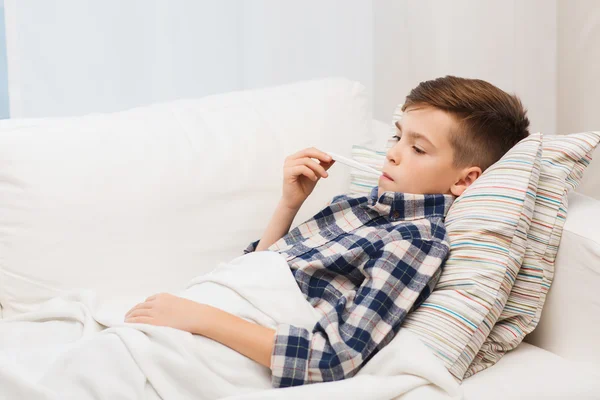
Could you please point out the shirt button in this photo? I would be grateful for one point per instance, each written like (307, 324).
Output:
(396, 214)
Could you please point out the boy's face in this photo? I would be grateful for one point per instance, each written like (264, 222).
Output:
(421, 161)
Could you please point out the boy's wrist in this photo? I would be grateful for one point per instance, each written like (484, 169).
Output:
(289, 207)
(203, 319)
(279, 225)
(247, 338)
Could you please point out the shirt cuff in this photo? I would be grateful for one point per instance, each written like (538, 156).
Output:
(289, 360)
(251, 247)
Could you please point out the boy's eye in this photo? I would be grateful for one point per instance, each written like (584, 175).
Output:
(416, 149)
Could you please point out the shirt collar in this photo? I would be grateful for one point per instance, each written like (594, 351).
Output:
(409, 206)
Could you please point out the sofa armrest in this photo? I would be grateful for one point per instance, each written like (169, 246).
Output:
(590, 183)
(570, 322)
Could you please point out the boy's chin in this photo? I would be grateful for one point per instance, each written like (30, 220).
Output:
(385, 184)
(381, 190)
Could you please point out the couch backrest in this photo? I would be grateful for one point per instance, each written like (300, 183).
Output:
(135, 202)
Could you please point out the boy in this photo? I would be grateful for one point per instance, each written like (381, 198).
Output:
(364, 262)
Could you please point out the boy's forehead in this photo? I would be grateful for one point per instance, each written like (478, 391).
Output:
(434, 124)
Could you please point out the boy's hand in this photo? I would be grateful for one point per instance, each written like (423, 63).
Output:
(301, 174)
(164, 309)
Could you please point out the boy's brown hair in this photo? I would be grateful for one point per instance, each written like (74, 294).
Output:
(490, 121)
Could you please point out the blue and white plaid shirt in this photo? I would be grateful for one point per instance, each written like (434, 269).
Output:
(364, 262)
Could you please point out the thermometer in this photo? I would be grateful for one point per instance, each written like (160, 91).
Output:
(354, 164)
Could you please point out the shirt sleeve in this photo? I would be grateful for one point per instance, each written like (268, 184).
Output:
(251, 247)
(357, 327)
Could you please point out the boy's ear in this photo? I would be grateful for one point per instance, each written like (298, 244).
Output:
(466, 178)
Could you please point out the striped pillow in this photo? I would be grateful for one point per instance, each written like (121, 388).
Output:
(564, 159)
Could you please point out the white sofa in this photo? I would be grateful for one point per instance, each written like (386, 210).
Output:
(132, 195)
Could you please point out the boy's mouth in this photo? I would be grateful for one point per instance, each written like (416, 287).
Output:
(386, 176)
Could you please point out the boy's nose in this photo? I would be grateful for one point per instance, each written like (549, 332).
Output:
(393, 155)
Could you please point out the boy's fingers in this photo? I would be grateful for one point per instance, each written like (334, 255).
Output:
(139, 306)
(139, 313)
(318, 169)
(298, 170)
(312, 152)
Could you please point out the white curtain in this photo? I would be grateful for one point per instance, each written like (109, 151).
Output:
(72, 57)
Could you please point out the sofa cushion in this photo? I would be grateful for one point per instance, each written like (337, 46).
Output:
(140, 201)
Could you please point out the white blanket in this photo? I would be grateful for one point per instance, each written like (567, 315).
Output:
(74, 346)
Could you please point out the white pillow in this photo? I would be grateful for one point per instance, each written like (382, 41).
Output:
(140, 201)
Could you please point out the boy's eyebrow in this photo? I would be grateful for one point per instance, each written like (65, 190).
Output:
(414, 135)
